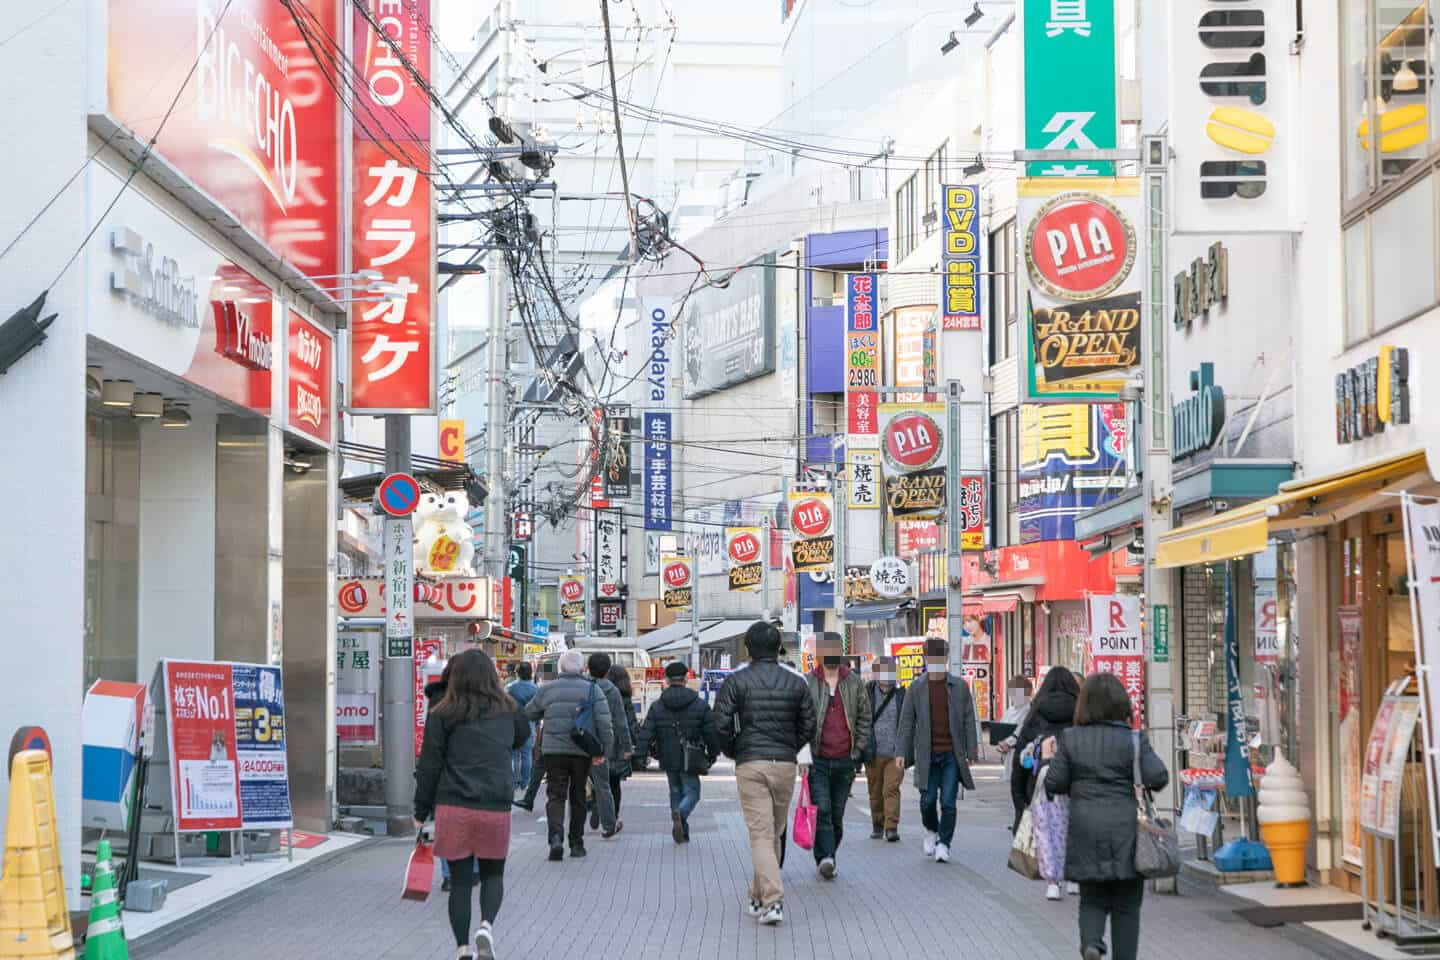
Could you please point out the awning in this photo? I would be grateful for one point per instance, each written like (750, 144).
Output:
(667, 634)
(1315, 502)
(723, 631)
(1000, 603)
(863, 612)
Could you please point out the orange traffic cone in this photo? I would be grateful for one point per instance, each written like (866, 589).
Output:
(34, 918)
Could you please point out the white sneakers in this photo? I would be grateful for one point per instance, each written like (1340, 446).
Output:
(931, 841)
(484, 944)
(753, 909)
(942, 853)
(774, 915)
(1052, 891)
(1073, 889)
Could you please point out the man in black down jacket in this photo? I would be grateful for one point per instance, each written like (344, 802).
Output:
(677, 718)
(764, 715)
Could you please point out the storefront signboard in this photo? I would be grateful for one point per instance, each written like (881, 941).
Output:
(200, 730)
(960, 258)
(428, 665)
(393, 345)
(452, 441)
(742, 551)
(812, 543)
(677, 582)
(609, 550)
(617, 452)
(458, 598)
(916, 495)
(1370, 771)
(1370, 395)
(1070, 456)
(912, 437)
(909, 656)
(972, 512)
(1160, 637)
(913, 537)
(1350, 621)
(730, 330)
(260, 747)
(310, 408)
(1115, 645)
(863, 490)
(255, 122)
(357, 686)
(1070, 85)
(890, 578)
(1198, 420)
(1201, 287)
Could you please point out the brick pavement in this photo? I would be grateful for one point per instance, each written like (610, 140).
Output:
(642, 896)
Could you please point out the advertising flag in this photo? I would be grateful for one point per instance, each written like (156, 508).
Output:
(812, 544)
(743, 558)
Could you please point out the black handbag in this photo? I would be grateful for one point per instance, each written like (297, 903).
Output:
(696, 759)
(1157, 846)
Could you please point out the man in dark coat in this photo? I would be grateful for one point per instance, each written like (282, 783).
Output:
(679, 718)
(940, 736)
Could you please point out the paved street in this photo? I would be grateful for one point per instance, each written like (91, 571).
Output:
(641, 896)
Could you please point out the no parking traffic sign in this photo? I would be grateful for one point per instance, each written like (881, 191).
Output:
(398, 494)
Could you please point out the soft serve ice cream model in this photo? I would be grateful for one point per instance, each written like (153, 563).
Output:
(1284, 816)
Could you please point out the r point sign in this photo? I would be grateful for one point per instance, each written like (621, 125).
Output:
(1117, 646)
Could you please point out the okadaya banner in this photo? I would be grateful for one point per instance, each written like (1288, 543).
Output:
(200, 729)
(1116, 645)
(260, 747)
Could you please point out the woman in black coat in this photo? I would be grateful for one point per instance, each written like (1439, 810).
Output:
(622, 768)
(1052, 711)
(1094, 764)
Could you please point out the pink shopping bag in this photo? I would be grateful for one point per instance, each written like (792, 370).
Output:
(805, 816)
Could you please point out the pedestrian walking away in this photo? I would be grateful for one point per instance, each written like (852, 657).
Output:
(938, 736)
(621, 770)
(570, 703)
(680, 732)
(1093, 763)
(832, 758)
(619, 751)
(882, 776)
(521, 689)
(463, 780)
(764, 714)
(537, 764)
(1011, 721)
(1052, 713)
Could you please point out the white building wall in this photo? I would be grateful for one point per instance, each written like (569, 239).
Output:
(43, 430)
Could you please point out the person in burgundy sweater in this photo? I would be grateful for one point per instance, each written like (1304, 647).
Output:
(940, 736)
(830, 761)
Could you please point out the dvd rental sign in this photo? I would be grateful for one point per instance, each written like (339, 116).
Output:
(256, 124)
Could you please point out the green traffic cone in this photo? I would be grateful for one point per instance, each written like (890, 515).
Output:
(105, 939)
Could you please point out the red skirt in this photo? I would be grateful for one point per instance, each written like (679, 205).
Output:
(461, 832)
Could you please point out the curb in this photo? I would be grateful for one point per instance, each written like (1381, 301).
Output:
(1316, 942)
(172, 933)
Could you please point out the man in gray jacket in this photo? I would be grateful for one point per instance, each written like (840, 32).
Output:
(621, 749)
(938, 734)
(567, 765)
(887, 700)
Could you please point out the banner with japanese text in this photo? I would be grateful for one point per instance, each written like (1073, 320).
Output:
(1070, 83)
(960, 258)
(743, 558)
(200, 731)
(862, 357)
(812, 532)
(260, 743)
(392, 340)
(1115, 645)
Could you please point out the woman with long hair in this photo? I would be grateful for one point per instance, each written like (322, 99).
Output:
(1052, 711)
(464, 780)
(1094, 764)
(622, 768)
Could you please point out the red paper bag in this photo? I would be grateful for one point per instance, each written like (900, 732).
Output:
(419, 872)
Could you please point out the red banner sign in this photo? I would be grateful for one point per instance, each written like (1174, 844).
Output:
(428, 651)
(255, 127)
(914, 537)
(204, 763)
(392, 351)
(310, 407)
(861, 413)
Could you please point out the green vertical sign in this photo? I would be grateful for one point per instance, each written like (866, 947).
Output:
(1070, 83)
(1160, 636)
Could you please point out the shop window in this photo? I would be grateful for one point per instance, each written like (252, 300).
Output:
(1387, 90)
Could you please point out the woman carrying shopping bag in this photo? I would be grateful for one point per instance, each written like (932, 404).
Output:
(465, 780)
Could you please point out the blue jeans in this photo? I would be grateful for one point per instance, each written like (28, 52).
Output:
(830, 782)
(684, 792)
(944, 784)
(520, 763)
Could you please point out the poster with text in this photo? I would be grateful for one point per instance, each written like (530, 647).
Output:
(1422, 536)
(1267, 624)
(200, 725)
(1350, 733)
(428, 651)
(1115, 645)
(909, 656)
(260, 747)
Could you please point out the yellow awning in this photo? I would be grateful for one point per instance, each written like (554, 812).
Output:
(1313, 501)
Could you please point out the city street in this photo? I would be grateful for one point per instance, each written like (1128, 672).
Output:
(642, 896)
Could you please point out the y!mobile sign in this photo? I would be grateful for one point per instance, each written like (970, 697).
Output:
(255, 125)
(392, 342)
(1117, 646)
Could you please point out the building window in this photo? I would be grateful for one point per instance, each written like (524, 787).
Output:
(1004, 292)
(934, 189)
(905, 219)
(1004, 477)
(1390, 266)
(1387, 88)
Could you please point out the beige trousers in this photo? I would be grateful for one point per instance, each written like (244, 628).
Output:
(765, 788)
(884, 779)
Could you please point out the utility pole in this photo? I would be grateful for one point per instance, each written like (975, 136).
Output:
(840, 511)
(1159, 584)
(694, 561)
(954, 528)
(765, 567)
(398, 677)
